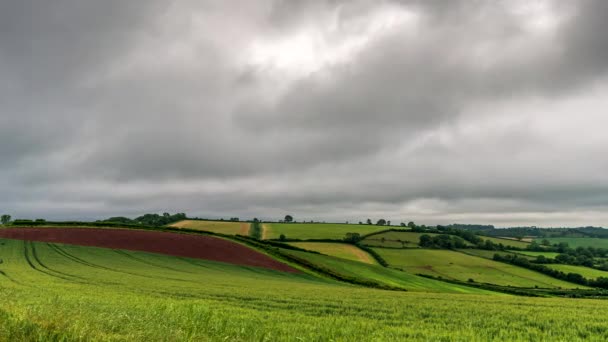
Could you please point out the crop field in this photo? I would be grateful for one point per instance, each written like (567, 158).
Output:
(62, 292)
(460, 266)
(315, 230)
(574, 242)
(587, 272)
(535, 254)
(395, 239)
(507, 242)
(222, 227)
(340, 250)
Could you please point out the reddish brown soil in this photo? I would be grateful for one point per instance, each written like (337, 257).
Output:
(184, 245)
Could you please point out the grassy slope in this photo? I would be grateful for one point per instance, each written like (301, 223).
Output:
(589, 273)
(535, 254)
(486, 253)
(382, 275)
(223, 227)
(455, 265)
(580, 242)
(397, 239)
(83, 293)
(507, 242)
(315, 230)
(340, 250)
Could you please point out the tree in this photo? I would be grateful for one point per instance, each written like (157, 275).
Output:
(352, 237)
(402, 224)
(369, 221)
(282, 237)
(388, 223)
(5, 219)
(381, 222)
(411, 224)
(288, 218)
(545, 242)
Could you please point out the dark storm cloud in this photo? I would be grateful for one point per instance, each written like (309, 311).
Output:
(433, 110)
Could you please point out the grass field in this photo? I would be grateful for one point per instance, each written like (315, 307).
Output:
(222, 227)
(315, 230)
(589, 273)
(486, 253)
(460, 266)
(574, 242)
(535, 254)
(60, 292)
(395, 239)
(507, 242)
(340, 250)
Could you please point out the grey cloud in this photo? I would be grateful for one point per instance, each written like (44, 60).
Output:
(161, 100)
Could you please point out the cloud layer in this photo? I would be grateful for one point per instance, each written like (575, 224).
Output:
(434, 111)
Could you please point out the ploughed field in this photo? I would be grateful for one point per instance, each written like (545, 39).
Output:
(52, 291)
(185, 245)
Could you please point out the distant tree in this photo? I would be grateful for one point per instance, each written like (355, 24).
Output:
(411, 224)
(360, 222)
(402, 224)
(5, 219)
(40, 220)
(388, 223)
(282, 237)
(255, 220)
(545, 242)
(288, 218)
(352, 237)
(369, 221)
(381, 222)
(426, 241)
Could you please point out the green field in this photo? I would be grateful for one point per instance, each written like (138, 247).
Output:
(455, 265)
(550, 255)
(395, 239)
(222, 227)
(574, 242)
(315, 230)
(486, 253)
(589, 273)
(507, 242)
(60, 292)
(340, 250)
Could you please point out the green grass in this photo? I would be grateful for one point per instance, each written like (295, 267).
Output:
(574, 242)
(460, 266)
(222, 227)
(485, 253)
(382, 275)
(340, 250)
(535, 254)
(306, 231)
(70, 293)
(395, 239)
(507, 242)
(589, 273)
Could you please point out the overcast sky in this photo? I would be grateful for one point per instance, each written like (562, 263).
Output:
(433, 111)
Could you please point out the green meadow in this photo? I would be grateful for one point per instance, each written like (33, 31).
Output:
(455, 265)
(306, 231)
(575, 242)
(340, 250)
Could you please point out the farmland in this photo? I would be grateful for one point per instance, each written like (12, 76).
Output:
(507, 242)
(460, 266)
(222, 227)
(340, 250)
(575, 242)
(587, 272)
(306, 231)
(536, 253)
(395, 239)
(87, 293)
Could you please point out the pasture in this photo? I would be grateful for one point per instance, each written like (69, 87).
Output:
(574, 242)
(455, 265)
(340, 250)
(221, 227)
(507, 242)
(550, 255)
(304, 231)
(587, 272)
(395, 239)
(61, 292)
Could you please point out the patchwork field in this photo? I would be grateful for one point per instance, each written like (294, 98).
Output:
(589, 273)
(315, 230)
(580, 242)
(455, 265)
(535, 254)
(340, 250)
(395, 239)
(507, 242)
(222, 227)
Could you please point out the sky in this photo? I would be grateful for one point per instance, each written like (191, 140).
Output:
(488, 112)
